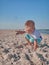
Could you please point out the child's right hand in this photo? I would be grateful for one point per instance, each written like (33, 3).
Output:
(35, 45)
(20, 32)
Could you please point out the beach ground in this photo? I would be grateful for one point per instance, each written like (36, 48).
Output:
(14, 52)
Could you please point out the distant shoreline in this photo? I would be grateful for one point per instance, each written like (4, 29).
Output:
(43, 31)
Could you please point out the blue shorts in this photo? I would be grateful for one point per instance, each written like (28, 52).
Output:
(31, 39)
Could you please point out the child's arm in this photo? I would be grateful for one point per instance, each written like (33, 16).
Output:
(20, 32)
(35, 45)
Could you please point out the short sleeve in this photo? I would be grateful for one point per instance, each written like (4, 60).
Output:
(36, 34)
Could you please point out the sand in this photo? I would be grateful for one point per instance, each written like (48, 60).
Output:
(14, 52)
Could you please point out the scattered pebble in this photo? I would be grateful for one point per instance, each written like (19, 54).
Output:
(13, 50)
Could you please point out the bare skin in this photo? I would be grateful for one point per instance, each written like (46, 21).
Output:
(20, 32)
(35, 45)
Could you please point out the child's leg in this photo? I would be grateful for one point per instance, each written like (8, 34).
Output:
(35, 45)
(29, 39)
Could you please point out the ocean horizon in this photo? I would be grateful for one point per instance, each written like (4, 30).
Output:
(44, 31)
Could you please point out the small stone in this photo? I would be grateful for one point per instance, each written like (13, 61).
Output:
(45, 50)
(6, 50)
(41, 57)
(10, 56)
(47, 62)
(0, 63)
(5, 56)
(16, 57)
(46, 55)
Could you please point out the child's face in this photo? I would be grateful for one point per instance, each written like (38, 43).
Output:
(29, 29)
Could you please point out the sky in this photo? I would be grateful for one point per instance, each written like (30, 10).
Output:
(14, 13)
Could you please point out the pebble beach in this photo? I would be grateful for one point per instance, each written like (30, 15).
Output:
(14, 52)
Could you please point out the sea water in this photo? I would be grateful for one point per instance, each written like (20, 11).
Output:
(44, 31)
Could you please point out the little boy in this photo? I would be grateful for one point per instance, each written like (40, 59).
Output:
(32, 35)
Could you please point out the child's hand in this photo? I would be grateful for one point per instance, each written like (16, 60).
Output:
(35, 45)
(20, 32)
